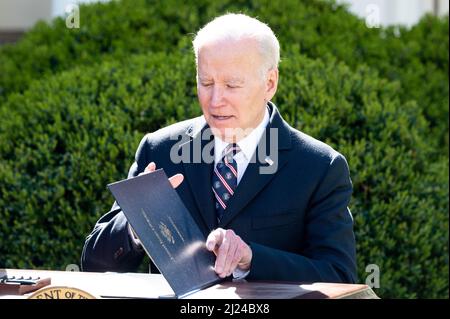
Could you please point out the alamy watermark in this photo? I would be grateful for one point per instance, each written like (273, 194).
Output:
(372, 16)
(201, 148)
(72, 267)
(73, 16)
(373, 279)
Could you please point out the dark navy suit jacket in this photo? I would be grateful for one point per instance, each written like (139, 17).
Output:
(295, 220)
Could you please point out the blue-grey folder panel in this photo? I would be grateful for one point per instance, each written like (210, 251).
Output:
(167, 231)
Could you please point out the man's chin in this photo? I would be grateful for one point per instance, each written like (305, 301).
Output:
(228, 134)
(224, 133)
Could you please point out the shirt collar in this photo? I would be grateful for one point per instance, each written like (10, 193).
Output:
(247, 144)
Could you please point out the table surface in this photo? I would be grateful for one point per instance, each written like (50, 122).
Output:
(141, 285)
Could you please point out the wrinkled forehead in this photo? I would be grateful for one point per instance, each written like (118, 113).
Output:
(240, 46)
(232, 57)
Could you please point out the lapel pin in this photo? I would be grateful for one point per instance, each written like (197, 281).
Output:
(269, 161)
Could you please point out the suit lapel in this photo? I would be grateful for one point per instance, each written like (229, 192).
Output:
(253, 180)
(198, 171)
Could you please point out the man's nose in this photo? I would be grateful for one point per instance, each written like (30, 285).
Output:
(217, 96)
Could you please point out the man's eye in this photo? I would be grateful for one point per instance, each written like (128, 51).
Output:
(230, 86)
(206, 84)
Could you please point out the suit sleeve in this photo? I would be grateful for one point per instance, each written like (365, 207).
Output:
(328, 252)
(109, 246)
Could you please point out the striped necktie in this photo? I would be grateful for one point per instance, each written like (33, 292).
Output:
(224, 179)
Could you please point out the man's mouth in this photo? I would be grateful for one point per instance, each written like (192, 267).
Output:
(222, 117)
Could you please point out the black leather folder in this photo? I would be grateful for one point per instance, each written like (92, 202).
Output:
(167, 231)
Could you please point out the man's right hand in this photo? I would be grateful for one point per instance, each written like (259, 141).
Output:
(175, 180)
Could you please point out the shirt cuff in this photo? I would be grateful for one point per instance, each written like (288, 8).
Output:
(135, 242)
(240, 274)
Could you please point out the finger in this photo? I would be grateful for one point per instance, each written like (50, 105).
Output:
(214, 239)
(150, 167)
(237, 255)
(221, 258)
(223, 253)
(176, 180)
(230, 265)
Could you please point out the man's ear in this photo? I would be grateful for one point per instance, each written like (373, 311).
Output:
(271, 83)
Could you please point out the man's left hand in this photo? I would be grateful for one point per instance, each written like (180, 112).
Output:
(230, 250)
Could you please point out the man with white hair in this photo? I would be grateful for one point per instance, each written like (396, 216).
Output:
(280, 215)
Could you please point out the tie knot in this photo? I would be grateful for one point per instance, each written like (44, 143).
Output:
(229, 151)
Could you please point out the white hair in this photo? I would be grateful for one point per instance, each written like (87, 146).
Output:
(235, 27)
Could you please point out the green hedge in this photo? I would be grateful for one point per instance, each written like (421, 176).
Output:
(75, 103)
(417, 58)
(68, 136)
